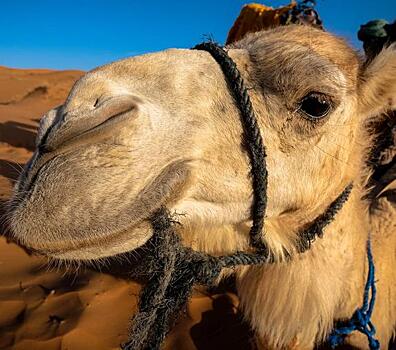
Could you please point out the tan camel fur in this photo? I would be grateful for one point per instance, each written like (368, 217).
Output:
(163, 129)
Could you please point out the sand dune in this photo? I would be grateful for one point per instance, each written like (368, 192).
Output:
(53, 310)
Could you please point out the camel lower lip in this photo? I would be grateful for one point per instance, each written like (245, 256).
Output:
(91, 252)
(110, 245)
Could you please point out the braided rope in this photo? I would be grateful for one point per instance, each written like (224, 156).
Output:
(317, 227)
(162, 263)
(252, 137)
(174, 269)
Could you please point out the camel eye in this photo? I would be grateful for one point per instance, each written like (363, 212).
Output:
(315, 105)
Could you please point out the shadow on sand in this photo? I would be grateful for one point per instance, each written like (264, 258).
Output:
(10, 170)
(18, 134)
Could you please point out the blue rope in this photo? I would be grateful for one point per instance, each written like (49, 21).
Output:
(361, 319)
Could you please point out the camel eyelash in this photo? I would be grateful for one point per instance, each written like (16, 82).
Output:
(315, 106)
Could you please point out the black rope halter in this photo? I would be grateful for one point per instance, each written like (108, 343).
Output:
(173, 269)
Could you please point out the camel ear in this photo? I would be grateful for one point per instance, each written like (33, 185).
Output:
(377, 88)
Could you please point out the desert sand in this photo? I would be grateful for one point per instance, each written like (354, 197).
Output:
(54, 309)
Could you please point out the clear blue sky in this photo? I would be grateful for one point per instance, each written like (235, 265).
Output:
(86, 33)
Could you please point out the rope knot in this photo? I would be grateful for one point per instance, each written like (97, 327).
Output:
(360, 318)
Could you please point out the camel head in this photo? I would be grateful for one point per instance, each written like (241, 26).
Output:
(163, 130)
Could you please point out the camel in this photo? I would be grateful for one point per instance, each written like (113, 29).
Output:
(162, 129)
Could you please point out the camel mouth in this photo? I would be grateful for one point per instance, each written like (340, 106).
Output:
(115, 243)
(42, 227)
(93, 249)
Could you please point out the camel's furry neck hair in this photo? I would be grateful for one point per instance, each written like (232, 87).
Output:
(308, 289)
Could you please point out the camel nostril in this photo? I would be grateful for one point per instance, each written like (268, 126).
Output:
(83, 123)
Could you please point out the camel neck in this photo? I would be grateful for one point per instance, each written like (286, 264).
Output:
(311, 284)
